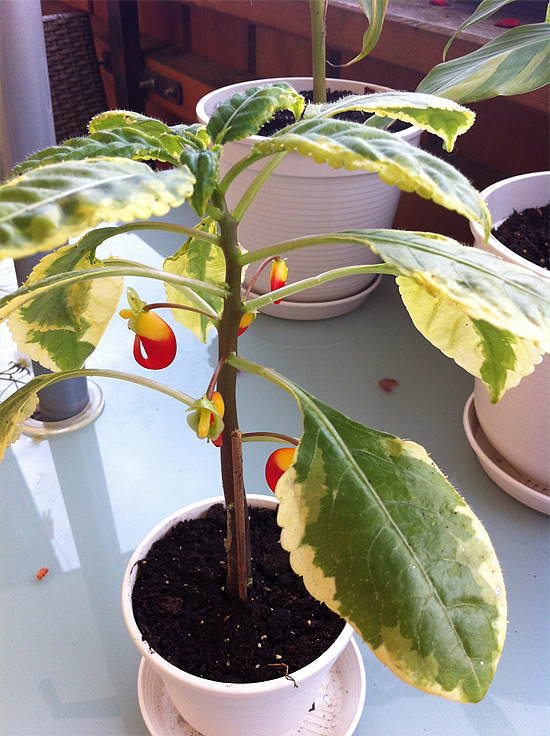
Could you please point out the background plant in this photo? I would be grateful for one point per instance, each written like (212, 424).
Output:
(370, 522)
(517, 61)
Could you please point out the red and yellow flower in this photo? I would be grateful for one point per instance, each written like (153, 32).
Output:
(206, 418)
(277, 464)
(155, 343)
(278, 275)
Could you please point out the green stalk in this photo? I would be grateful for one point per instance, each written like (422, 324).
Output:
(257, 184)
(238, 536)
(189, 232)
(252, 305)
(318, 12)
(25, 293)
(49, 379)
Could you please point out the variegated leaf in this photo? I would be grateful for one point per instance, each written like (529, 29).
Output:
(518, 61)
(484, 10)
(61, 327)
(42, 208)
(205, 166)
(375, 10)
(382, 538)
(123, 143)
(194, 135)
(498, 357)
(355, 146)
(245, 113)
(437, 115)
(198, 260)
(16, 409)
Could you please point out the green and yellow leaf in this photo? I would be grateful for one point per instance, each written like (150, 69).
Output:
(205, 262)
(61, 327)
(518, 61)
(497, 356)
(245, 113)
(375, 10)
(44, 207)
(381, 537)
(355, 146)
(205, 166)
(437, 115)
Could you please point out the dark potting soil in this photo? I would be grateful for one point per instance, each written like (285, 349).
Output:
(526, 234)
(184, 614)
(282, 118)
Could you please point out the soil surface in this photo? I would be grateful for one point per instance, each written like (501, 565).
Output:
(184, 614)
(282, 118)
(526, 234)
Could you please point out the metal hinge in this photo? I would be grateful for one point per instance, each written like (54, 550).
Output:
(151, 81)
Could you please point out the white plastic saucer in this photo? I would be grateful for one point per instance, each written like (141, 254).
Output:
(499, 470)
(288, 309)
(338, 705)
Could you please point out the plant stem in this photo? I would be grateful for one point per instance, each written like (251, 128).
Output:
(318, 12)
(256, 185)
(268, 437)
(238, 549)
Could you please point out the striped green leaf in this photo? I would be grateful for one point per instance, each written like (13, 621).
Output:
(198, 260)
(43, 208)
(375, 10)
(381, 537)
(61, 327)
(484, 10)
(245, 113)
(355, 146)
(518, 61)
(434, 114)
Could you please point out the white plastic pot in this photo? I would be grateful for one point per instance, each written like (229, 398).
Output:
(225, 709)
(518, 427)
(303, 198)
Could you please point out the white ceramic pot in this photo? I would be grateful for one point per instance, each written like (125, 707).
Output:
(225, 709)
(518, 427)
(302, 198)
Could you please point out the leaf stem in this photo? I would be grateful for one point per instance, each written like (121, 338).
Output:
(174, 305)
(252, 305)
(258, 182)
(268, 437)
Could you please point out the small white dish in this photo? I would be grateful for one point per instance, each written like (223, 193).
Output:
(499, 470)
(338, 705)
(288, 309)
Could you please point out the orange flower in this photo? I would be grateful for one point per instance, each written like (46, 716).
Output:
(277, 463)
(278, 275)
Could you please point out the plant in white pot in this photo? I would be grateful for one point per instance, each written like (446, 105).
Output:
(315, 199)
(518, 427)
(371, 524)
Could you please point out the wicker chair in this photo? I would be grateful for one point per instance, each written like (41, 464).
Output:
(75, 80)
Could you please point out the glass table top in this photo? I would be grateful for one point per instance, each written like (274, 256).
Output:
(78, 503)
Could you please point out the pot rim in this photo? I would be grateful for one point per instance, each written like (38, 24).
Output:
(204, 117)
(495, 243)
(161, 664)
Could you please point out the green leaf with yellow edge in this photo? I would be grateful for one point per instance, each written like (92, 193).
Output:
(382, 538)
(500, 358)
(205, 166)
(61, 327)
(354, 146)
(437, 115)
(205, 262)
(43, 208)
(245, 113)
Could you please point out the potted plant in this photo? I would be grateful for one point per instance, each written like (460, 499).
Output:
(316, 198)
(419, 580)
(518, 427)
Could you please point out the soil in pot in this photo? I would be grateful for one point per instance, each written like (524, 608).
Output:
(184, 614)
(526, 234)
(282, 118)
